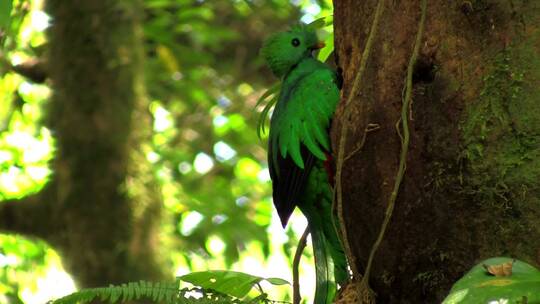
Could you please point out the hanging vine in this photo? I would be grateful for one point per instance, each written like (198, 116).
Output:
(362, 287)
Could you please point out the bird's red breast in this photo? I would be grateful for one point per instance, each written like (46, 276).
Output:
(328, 166)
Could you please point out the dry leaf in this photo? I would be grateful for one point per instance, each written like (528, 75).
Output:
(500, 270)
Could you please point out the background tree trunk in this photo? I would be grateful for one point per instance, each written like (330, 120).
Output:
(101, 208)
(471, 187)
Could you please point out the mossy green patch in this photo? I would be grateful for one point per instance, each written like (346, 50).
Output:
(501, 131)
(501, 137)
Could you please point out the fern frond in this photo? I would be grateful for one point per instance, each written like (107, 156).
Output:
(162, 292)
(159, 292)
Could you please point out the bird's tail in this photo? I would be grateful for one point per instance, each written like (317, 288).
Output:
(325, 285)
(330, 261)
(335, 248)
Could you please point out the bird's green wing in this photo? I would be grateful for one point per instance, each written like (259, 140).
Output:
(302, 116)
(299, 131)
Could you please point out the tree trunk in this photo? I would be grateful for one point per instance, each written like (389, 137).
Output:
(471, 188)
(101, 208)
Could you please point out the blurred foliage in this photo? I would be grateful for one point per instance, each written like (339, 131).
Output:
(15, 269)
(203, 77)
(207, 155)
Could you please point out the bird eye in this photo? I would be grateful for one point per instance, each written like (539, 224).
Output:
(295, 42)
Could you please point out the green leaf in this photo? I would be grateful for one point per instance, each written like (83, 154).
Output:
(115, 294)
(236, 284)
(479, 287)
(277, 281)
(321, 22)
(325, 52)
(5, 13)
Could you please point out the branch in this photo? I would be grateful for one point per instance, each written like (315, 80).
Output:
(33, 69)
(296, 265)
(404, 143)
(25, 216)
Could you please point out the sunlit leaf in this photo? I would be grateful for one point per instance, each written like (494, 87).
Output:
(321, 22)
(233, 283)
(325, 52)
(247, 168)
(277, 281)
(168, 59)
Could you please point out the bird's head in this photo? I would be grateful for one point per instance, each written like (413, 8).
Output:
(284, 50)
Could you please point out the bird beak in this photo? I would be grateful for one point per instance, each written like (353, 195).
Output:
(319, 45)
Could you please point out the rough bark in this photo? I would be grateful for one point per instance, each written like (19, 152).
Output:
(101, 208)
(470, 190)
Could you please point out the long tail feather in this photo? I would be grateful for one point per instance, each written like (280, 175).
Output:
(330, 261)
(325, 286)
(335, 249)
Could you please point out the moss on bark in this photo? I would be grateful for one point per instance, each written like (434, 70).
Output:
(501, 151)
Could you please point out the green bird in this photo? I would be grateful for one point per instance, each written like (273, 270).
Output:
(299, 157)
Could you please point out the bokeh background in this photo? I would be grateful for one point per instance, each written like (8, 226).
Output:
(203, 77)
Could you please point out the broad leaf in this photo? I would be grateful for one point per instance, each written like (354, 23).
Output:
(236, 284)
(478, 286)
